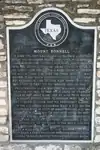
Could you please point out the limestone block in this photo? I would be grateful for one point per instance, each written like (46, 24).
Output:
(96, 147)
(19, 8)
(40, 148)
(98, 65)
(98, 74)
(98, 92)
(2, 102)
(98, 2)
(98, 29)
(1, 44)
(2, 53)
(97, 139)
(88, 11)
(98, 102)
(3, 58)
(45, 5)
(66, 147)
(1, 18)
(15, 22)
(1, 36)
(3, 120)
(97, 120)
(16, 147)
(15, 1)
(3, 93)
(84, 20)
(72, 147)
(4, 138)
(3, 84)
(3, 74)
(60, 5)
(81, 0)
(16, 16)
(3, 112)
(98, 84)
(82, 5)
(48, 147)
(57, 0)
(98, 129)
(3, 130)
(35, 1)
(76, 147)
(0, 66)
(1, 26)
(98, 110)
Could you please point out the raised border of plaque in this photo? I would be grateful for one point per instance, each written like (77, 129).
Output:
(94, 78)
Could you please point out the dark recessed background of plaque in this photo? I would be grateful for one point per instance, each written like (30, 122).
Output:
(51, 88)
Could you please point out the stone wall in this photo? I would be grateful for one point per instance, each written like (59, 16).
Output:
(19, 12)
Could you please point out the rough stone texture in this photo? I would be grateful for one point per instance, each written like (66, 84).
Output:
(3, 83)
(18, 12)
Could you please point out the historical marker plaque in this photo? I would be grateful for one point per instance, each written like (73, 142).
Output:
(51, 69)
